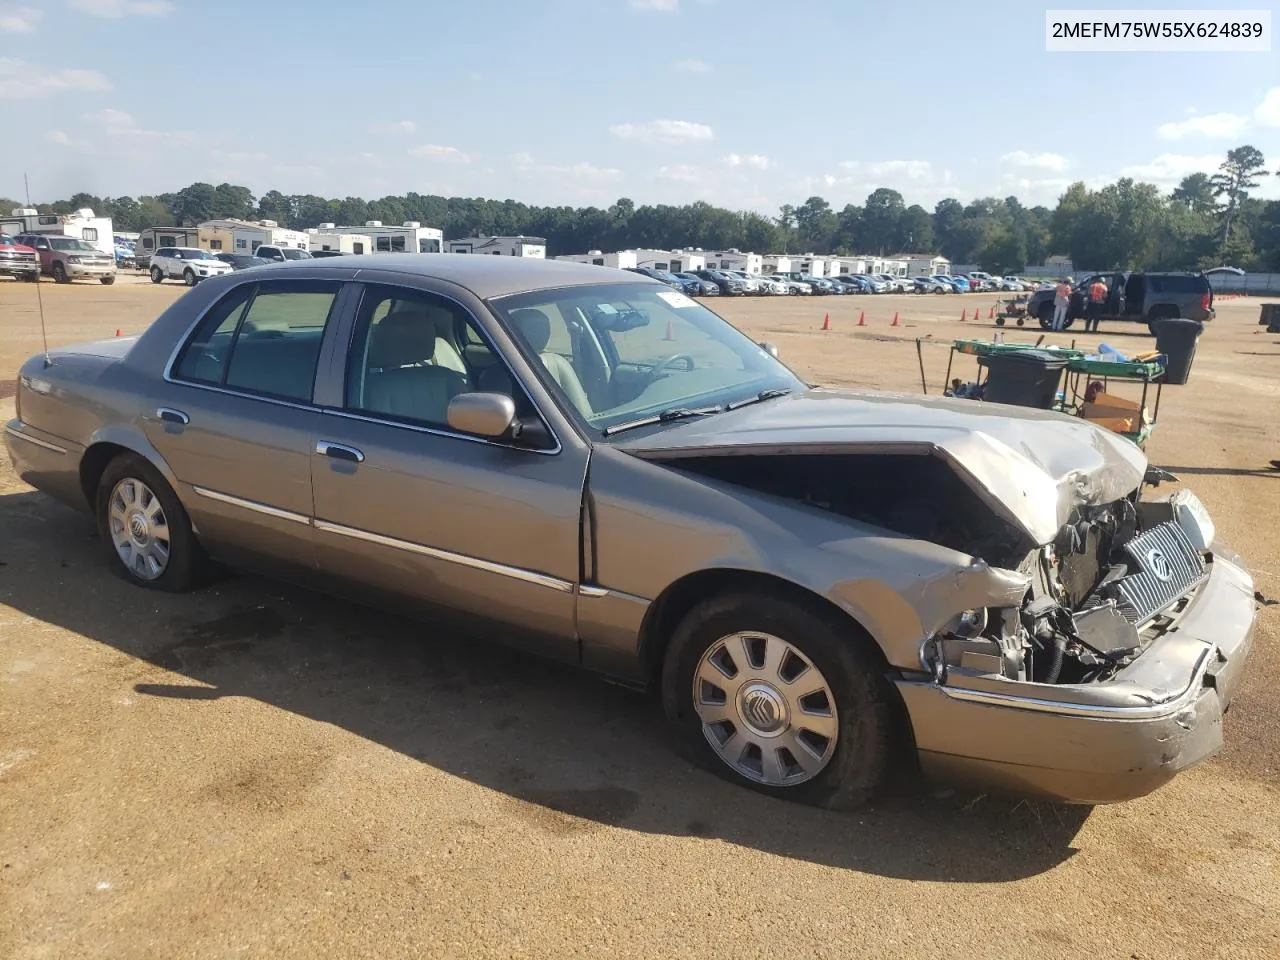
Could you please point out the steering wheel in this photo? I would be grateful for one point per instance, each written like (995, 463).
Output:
(660, 367)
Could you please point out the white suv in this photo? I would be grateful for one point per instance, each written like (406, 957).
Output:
(187, 264)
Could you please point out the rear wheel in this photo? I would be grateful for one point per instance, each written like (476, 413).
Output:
(107, 281)
(146, 528)
(60, 274)
(778, 697)
(156, 275)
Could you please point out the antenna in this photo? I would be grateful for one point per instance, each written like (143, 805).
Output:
(44, 334)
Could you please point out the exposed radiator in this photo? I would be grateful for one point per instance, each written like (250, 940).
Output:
(1166, 566)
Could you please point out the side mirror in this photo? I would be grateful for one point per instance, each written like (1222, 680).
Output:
(769, 348)
(483, 414)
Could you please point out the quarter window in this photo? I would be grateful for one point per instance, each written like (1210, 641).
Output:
(382, 244)
(262, 338)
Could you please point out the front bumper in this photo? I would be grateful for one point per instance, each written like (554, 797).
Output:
(18, 268)
(96, 270)
(1101, 742)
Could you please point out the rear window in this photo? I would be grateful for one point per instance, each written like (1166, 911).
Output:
(1178, 283)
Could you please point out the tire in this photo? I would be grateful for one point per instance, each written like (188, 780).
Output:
(139, 485)
(107, 281)
(33, 277)
(853, 763)
(156, 275)
(1045, 316)
(1158, 314)
(189, 277)
(60, 273)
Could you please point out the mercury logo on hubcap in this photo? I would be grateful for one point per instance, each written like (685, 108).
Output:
(763, 709)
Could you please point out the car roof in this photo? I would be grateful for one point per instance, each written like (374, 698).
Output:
(484, 276)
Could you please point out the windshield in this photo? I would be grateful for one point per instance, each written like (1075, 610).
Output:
(290, 254)
(196, 255)
(621, 352)
(71, 245)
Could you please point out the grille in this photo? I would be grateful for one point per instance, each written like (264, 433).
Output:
(1167, 566)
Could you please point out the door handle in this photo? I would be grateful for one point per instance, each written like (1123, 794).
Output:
(170, 415)
(339, 451)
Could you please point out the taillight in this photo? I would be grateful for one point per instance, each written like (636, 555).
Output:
(1205, 300)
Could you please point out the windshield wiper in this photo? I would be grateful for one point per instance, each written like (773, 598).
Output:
(762, 395)
(671, 413)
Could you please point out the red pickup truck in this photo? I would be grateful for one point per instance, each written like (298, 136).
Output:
(17, 260)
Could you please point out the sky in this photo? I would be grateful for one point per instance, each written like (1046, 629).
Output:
(742, 103)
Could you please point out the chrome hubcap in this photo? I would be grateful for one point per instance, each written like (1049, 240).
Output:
(139, 529)
(766, 710)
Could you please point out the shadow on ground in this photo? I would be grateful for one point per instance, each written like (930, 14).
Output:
(569, 750)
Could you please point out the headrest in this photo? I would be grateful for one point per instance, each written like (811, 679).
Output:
(402, 338)
(534, 326)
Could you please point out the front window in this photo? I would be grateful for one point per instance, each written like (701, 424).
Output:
(291, 254)
(428, 246)
(71, 245)
(620, 353)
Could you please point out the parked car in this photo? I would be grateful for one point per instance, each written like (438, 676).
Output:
(321, 254)
(875, 284)
(1147, 298)
(894, 284)
(820, 285)
(749, 283)
(1012, 284)
(188, 264)
(933, 285)
(961, 284)
(660, 275)
(728, 285)
(980, 280)
(795, 285)
(18, 260)
(241, 261)
(281, 254)
(771, 285)
(851, 283)
(950, 282)
(708, 288)
(67, 258)
(810, 577)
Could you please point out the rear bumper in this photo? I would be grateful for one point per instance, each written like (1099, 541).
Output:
(46, 462)
(1097, 743)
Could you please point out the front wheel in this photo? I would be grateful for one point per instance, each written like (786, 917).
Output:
(156, 275)
(60, 274)
(189, 277)
(107, 281)
(145, 527)
(778, 697)
(32, 277)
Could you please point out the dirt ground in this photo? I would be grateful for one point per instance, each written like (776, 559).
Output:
(255, 771)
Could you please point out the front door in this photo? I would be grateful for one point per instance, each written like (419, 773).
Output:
(408, 505)
(236, 424)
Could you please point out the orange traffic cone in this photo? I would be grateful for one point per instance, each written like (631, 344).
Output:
(862, 318)
(991, 314)
(895, 319)
(826, 321)
(963, 314)
(671, 332)
(117, 331)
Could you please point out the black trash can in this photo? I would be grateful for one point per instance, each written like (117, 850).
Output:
(1176, 339)
(1024, 378)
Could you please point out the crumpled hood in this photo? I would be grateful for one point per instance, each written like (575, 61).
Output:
(1033, 466)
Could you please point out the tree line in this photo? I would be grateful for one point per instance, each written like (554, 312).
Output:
(1210, 219)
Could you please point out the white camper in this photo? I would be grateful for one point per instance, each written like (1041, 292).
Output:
(622, 259)
(320, 239)
(82, 224)
(245, 236)
(153, 238)
(505, 246)
(409, 237)
(733, 259)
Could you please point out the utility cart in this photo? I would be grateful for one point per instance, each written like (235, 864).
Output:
(1065, 379)
(1013, 308)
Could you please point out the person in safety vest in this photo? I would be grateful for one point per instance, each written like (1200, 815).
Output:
(1097, 305)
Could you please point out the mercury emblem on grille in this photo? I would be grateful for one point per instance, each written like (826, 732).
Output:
(1158, 565)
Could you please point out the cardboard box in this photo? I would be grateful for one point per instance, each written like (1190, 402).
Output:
(1115, 413)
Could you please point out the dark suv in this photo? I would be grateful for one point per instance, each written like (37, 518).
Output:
(1142, 297)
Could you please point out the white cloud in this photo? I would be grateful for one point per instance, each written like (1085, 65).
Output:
(114, 9)
(109, 117)
(680, 173)
(59, 138)
(1169, 168)
(754, 161)
(23, 81)
(664, 5)
(19, 19)
(1217, 125)
(397, 126)
(1022, 160)
(890, 169)
(436, 152)
(583, 171)
(691, 66)
(668, 132)
(522, 159)
(122, 126)
(1267, 113)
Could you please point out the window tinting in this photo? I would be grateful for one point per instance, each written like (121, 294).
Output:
(262, 338)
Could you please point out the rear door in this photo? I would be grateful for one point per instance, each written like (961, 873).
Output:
(236, 421)
(407, 505)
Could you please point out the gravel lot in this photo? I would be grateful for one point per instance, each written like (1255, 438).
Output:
(256, 771)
